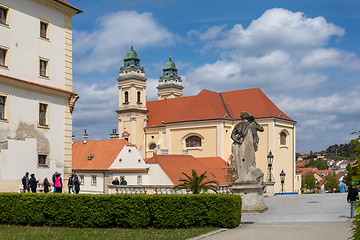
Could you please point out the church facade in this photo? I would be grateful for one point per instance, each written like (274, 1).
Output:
(201, 125)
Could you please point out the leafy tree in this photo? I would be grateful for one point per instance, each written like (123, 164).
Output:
(348, 167)
(310, 182)
(311, 163)
(331, 181)
(321, 164)
(356, 143)
(195, 183)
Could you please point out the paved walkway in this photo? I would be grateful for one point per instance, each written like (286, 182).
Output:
(306, 216)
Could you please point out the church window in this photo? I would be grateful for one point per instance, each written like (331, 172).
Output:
(138, 97)
(283, 136)
(193, 141)
(152, 146)
(126, 96)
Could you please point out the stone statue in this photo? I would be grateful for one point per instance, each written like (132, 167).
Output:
(245, 145)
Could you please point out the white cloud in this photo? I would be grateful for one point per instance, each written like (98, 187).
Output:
(106, 46)
(278, 29)
(208, 33)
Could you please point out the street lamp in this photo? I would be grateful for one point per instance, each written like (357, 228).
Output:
(282, 179)
(270, 159)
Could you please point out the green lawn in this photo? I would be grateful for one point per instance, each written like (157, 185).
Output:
(27, 232)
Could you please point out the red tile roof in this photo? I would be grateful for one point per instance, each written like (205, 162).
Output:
(175, 165)
(105, 153)
(209, 105)
(69, 5)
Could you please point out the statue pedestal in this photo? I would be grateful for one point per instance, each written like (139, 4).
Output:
(252, 194)
(270, 189)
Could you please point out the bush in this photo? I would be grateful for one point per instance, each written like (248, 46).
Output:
(125, 211)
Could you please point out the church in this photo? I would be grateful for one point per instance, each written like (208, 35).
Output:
(201, 125)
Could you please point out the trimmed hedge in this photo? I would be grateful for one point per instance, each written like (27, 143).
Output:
(124, 211)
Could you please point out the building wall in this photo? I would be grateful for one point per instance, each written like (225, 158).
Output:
(25, 138)
(25, 49)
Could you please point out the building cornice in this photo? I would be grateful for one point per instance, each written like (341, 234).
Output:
(36, 87)
(59, 6)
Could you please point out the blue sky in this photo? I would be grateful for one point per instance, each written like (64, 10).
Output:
(304, 55)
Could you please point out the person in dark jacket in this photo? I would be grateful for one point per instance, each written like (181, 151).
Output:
(77, 184)
(352, 197)
(25, 182)
(70, 183)
(33, 183)
(116, 182)
(46, 185)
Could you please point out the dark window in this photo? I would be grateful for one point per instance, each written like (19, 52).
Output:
(43, 29)
(2, 107)
(139, 97)
(193, 141)
(126, 95)
(282, 138)
(2, 57)
(42, 114)
(3, 14)
(43, 66)
(152, 146)
(42, 159)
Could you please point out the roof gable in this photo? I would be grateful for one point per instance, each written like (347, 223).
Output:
(104, 152)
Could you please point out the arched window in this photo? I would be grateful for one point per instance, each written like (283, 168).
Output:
(282, 138)
(193, 141)
(138, 97)
(152, 146)
(126, 96)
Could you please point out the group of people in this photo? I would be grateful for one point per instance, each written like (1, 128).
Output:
(31, 183)
(117, 182)
(74, 183)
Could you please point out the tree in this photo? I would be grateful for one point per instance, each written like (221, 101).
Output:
(348, 167)
(195, 183)
(331, 181)
(310, 182)
(321, 164)
(356, 143)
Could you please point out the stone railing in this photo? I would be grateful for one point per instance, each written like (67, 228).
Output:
(158, 189)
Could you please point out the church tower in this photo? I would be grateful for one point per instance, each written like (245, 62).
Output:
(132, 101)
(170, 84)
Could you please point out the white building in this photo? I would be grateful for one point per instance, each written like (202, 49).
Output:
(36, 97)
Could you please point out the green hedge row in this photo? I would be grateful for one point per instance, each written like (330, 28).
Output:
(124, 211)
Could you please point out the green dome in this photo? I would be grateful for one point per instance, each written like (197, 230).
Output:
(170, 65)
(131, 55)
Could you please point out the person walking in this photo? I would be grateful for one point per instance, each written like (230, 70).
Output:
(33, 183)
(53, 180)
(77, 184)
(58, 183)
(342, 187)
(25, 182)
(70, 183)
(351, 198)
(46, 184)
(73, 179)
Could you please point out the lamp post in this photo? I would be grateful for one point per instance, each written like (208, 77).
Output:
(270, 159)
(282, 179)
